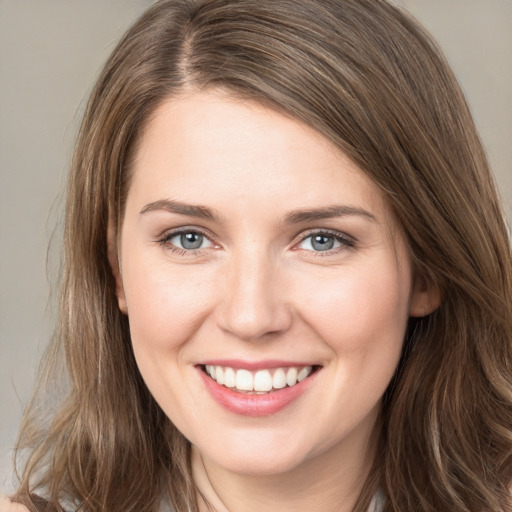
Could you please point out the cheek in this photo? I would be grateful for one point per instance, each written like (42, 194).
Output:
(165, 305)
(362, 319)
(361, 309)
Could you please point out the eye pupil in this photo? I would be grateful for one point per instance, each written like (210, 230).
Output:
(322, 242)
(191, 240)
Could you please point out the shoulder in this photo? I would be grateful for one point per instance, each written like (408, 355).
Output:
(6, 505)
(33, 503)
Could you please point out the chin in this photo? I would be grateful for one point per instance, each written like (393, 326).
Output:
(260, 456)
(261, 465)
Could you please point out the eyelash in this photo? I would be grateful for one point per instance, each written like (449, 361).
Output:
(168, 236)
(345, 241)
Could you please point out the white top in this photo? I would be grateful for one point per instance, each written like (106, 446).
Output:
(377, 504)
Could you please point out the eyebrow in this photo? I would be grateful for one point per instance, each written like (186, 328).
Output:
(190, 210)
(293, 217)
(328, 212)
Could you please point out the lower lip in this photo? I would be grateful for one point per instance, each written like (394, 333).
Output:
(254, 405)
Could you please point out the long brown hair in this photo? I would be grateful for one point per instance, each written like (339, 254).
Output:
(367, 77)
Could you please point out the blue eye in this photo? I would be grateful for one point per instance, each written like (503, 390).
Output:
(323, 242)
(189, 240)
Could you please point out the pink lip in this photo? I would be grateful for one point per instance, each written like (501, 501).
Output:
(254, 366)
(253, 405)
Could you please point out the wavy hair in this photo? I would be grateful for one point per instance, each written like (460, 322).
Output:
(366, 76)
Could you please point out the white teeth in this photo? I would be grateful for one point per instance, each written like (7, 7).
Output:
(279, 379)
(261, 381)
(229, 378)
(210, 370)
(303, 373)
(291, 376)
(244, 380)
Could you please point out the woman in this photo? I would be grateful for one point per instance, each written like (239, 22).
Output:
(287, 280)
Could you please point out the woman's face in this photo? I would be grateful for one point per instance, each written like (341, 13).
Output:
(253, 249)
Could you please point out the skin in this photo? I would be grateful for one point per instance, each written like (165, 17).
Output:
(256, 290)
(7, 506)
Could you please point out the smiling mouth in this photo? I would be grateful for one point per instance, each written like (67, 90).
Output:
(258, 382)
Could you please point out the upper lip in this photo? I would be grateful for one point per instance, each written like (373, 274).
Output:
(267, 364)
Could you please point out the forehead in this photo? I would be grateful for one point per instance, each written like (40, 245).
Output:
(211, 148)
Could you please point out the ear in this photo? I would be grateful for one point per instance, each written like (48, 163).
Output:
(113, 259)
(425, 297)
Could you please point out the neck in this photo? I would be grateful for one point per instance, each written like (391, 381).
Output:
(329, 482)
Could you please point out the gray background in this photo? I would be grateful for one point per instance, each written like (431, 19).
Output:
(50, 54)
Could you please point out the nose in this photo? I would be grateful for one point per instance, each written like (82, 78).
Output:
(253, 305)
